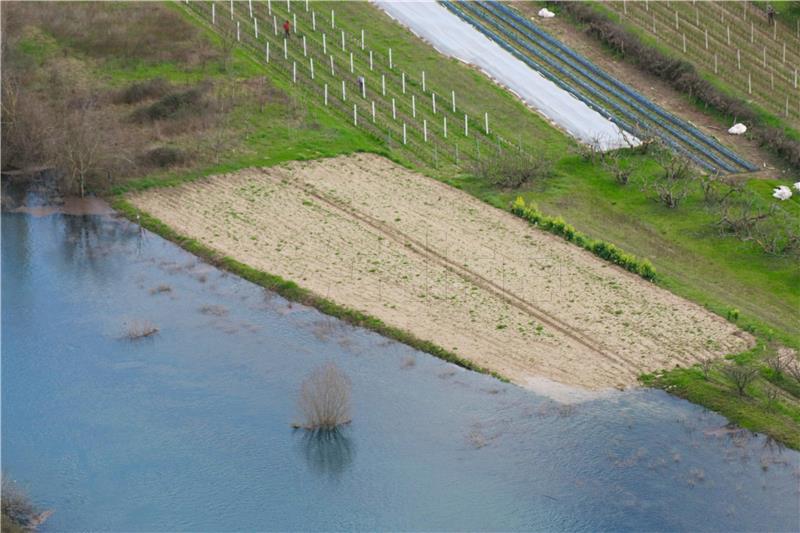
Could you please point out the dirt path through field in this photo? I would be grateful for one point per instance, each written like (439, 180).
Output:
(428, 258)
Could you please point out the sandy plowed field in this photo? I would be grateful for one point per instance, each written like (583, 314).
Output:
(428, 258)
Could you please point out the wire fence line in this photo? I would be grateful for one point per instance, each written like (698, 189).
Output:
(733, 41)
(337, 69)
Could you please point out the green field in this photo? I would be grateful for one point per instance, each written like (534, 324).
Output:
(266, 127)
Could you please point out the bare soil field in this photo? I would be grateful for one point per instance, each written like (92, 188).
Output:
(420, 255)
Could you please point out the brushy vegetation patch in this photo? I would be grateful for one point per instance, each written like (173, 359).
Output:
(139, 91)
(683, 76)
(103, 31)
(512, 170)
(69, 92)
(602, 249)
(163, 157)
(174, 105)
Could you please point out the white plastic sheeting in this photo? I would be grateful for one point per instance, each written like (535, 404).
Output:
(546, 13)
(453, 37)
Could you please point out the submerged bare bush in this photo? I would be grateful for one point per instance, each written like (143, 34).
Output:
(325, 398)
(139, 329)
(214, 310)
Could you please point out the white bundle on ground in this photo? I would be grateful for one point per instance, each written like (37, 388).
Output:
(797, 186)
(782, 192)
(737, 129)
(546, 13)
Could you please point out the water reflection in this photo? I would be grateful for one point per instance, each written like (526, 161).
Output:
(328, 452)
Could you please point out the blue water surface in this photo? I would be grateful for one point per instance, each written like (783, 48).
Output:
(191, 429)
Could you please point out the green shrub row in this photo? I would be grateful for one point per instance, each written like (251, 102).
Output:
(602, 249)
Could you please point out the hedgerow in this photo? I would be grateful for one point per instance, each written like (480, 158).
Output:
(602, 249)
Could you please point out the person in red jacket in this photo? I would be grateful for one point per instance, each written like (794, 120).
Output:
(286, 27)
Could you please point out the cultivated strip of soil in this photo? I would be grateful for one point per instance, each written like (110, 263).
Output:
(439, 263)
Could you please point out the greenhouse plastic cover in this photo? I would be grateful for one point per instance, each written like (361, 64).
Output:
(453, 37)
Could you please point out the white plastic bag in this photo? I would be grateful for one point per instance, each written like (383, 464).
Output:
(782, 192)
(737, 129)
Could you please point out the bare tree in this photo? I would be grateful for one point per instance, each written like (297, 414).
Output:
(741, 376)
(613, 164)
(717, 189)
(777, 363)
(325, 398)
(81, 150)
(741, 217)
(770, 227)
(25, 125)
(227, 40)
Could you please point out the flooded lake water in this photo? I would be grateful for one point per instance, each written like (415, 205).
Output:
(191, 429)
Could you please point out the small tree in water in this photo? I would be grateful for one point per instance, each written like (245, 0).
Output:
(325, 398)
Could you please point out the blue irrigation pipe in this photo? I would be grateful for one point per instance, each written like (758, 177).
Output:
(558, 81)
(496, 6)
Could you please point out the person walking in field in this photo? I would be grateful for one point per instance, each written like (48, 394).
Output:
(361, 82)
(286, 27)
(771, 15)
